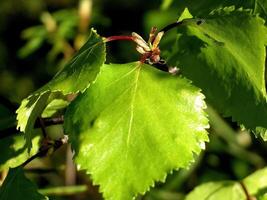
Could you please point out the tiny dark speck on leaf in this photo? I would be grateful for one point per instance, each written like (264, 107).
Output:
(92, 122)
(200, 21)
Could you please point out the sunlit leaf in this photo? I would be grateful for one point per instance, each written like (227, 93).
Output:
(225, 56)
(134, 125)
(203, 8)
(75, 77)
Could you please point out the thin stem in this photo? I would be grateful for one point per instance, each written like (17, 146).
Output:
(39, 154)
(64, 190)
(171, 26)
(40, 170)
(43, 151)
(42, 124)
(47, 122)
(248, 196)
(183, 22)
(50, 121)
(118, 37)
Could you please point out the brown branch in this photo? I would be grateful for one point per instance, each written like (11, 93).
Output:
(179, 23)
(248, 196)
(46, 149)
(46, 122)
(42, 125)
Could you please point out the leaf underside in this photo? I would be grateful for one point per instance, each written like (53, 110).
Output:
(225, 56)
(75, 77)
(134, 125)
(17, 187)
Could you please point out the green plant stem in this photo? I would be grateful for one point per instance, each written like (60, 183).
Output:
(223, 130)
(63, 190)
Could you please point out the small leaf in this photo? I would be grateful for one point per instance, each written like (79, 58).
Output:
(225, 56)
(17, 186)
(29, 110)
(14, 150)
(75, 77)
(134, 125)
(255, 185)
(223, 190)
(54, 106)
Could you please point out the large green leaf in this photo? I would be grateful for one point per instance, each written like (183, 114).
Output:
(75, 77)
(255, 184)
(203, 8)
(133, 126)
(225, 56)
(17, 187)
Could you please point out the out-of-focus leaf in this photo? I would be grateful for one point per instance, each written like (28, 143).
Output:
(229, 190)
(17, 187)
(7, 118)
(255, 185)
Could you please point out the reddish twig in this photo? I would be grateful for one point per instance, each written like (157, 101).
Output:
(119, 37)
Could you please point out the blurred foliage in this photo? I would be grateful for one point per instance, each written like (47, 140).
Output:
(38, 36)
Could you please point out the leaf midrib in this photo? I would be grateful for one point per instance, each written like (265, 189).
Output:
(138, 68)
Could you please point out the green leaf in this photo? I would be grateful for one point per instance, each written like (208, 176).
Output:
(75, 77)
(225, 56)
(14, 150)
(255, 185)
(17, 186)
(134, 125)
(54, 106)
(203, 8)
(166, 4)
(223, 190)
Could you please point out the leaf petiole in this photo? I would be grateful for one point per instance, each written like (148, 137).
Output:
(118, 37)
